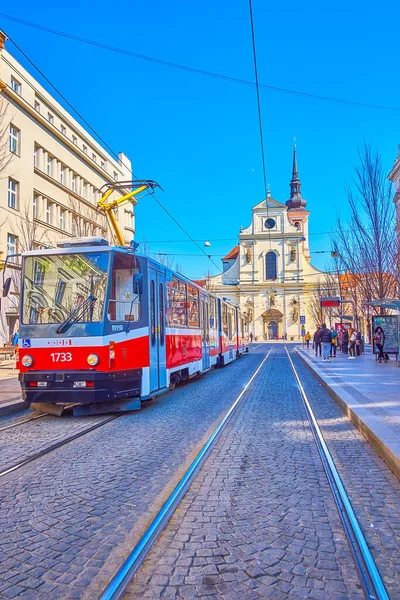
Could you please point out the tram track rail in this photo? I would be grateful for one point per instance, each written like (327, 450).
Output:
(368, 573)
(118, 584)
(367, 570)
(56, 445)
(13, 425)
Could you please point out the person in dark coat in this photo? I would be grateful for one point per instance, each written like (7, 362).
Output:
(345, 343)
(379, 339)
(325, 335)
(317, 343)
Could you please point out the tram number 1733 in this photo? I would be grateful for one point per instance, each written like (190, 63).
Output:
(61, 356)
(134, 327)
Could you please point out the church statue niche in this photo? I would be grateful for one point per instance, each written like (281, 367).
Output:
(292, 254)
(272, 301)
(295, 311)
(248, 255)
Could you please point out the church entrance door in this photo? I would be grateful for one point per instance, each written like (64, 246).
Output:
(272, 330)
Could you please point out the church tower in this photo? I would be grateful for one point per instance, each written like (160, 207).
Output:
(296, 206)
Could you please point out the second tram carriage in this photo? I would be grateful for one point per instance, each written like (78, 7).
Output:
(104, 328)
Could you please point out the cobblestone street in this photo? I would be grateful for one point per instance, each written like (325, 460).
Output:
(69, 519)
(260, 520)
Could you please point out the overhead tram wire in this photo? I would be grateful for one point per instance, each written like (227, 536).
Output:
(259, 117)
(109, 148)
(195, 70)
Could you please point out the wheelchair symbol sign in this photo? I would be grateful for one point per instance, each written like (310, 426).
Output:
(26, 343)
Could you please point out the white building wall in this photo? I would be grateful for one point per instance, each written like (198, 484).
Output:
(46, 129)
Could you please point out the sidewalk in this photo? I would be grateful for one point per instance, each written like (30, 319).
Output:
(368, 392)
(10, 395)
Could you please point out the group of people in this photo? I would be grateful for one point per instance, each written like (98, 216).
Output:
(326, 342)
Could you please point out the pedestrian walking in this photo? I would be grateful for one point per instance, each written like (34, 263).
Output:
(307, 338)
(352, 343)
(325, 336)
(379, 339)
(317, 343)
(334, 342)
(251, 337)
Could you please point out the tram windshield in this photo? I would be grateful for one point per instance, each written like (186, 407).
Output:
(56, 286)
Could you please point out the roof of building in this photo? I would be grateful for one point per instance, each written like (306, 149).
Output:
(233, 253)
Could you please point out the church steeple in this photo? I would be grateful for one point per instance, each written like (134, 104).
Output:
(295, 200)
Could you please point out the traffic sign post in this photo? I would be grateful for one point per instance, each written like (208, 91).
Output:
(302, 319)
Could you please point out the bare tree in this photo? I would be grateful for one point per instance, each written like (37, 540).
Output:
(85, 219)
(366, 244)
(326, 287)
(5, 155)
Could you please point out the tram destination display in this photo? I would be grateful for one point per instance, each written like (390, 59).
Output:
(390, 327)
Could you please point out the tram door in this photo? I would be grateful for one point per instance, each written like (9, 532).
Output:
(205, 335)
(158, 366)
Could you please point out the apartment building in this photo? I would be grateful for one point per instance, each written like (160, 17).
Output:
(51, 172)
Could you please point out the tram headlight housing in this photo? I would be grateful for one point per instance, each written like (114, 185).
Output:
(93, 360)
(27, 360)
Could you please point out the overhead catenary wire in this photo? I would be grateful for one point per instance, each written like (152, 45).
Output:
(194, 70)
(160, 204)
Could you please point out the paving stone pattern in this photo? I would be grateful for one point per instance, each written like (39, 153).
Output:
(27, 439)
(68, 520)
(259, 521)
(373, 489)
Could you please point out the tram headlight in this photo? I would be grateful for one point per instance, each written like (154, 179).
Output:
(93, 360)
(27, 361)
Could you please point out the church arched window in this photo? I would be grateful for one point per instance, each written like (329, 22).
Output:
(270, 265)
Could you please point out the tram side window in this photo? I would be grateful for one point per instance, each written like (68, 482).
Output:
(213, 312)
(177, 303)
(123, 304)
(193, 307)
(224, 312)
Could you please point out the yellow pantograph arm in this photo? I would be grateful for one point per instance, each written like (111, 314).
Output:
(108, 207)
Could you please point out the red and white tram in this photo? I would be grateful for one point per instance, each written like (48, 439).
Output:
(104, 328)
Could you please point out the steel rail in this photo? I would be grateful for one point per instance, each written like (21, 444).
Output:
(57, 445)
(22, 422)
(370, 578)
(122, 578)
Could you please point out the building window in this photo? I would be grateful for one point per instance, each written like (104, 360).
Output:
(37, 106)
(35, 206)
(36, 158)
(38, 273)
(13, 193)
(62, 174)
(15, 85)
(84, 190)
(12, 246)
(49, 212)
(49, 165)
(103, 165)
(94, 194)
(63, 129)
(14, 139)
(94, 158)
(50, 118)
(115, 175)
(73, 183)
(84, 148)
(61, 285)
(62, 219)
(75, 140)
(270, 265)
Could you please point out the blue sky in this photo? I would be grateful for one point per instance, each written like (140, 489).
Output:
(198, 136)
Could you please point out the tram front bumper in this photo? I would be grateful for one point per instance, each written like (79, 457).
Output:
(67, 386)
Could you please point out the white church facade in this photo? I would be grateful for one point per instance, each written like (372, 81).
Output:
(269, 273)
